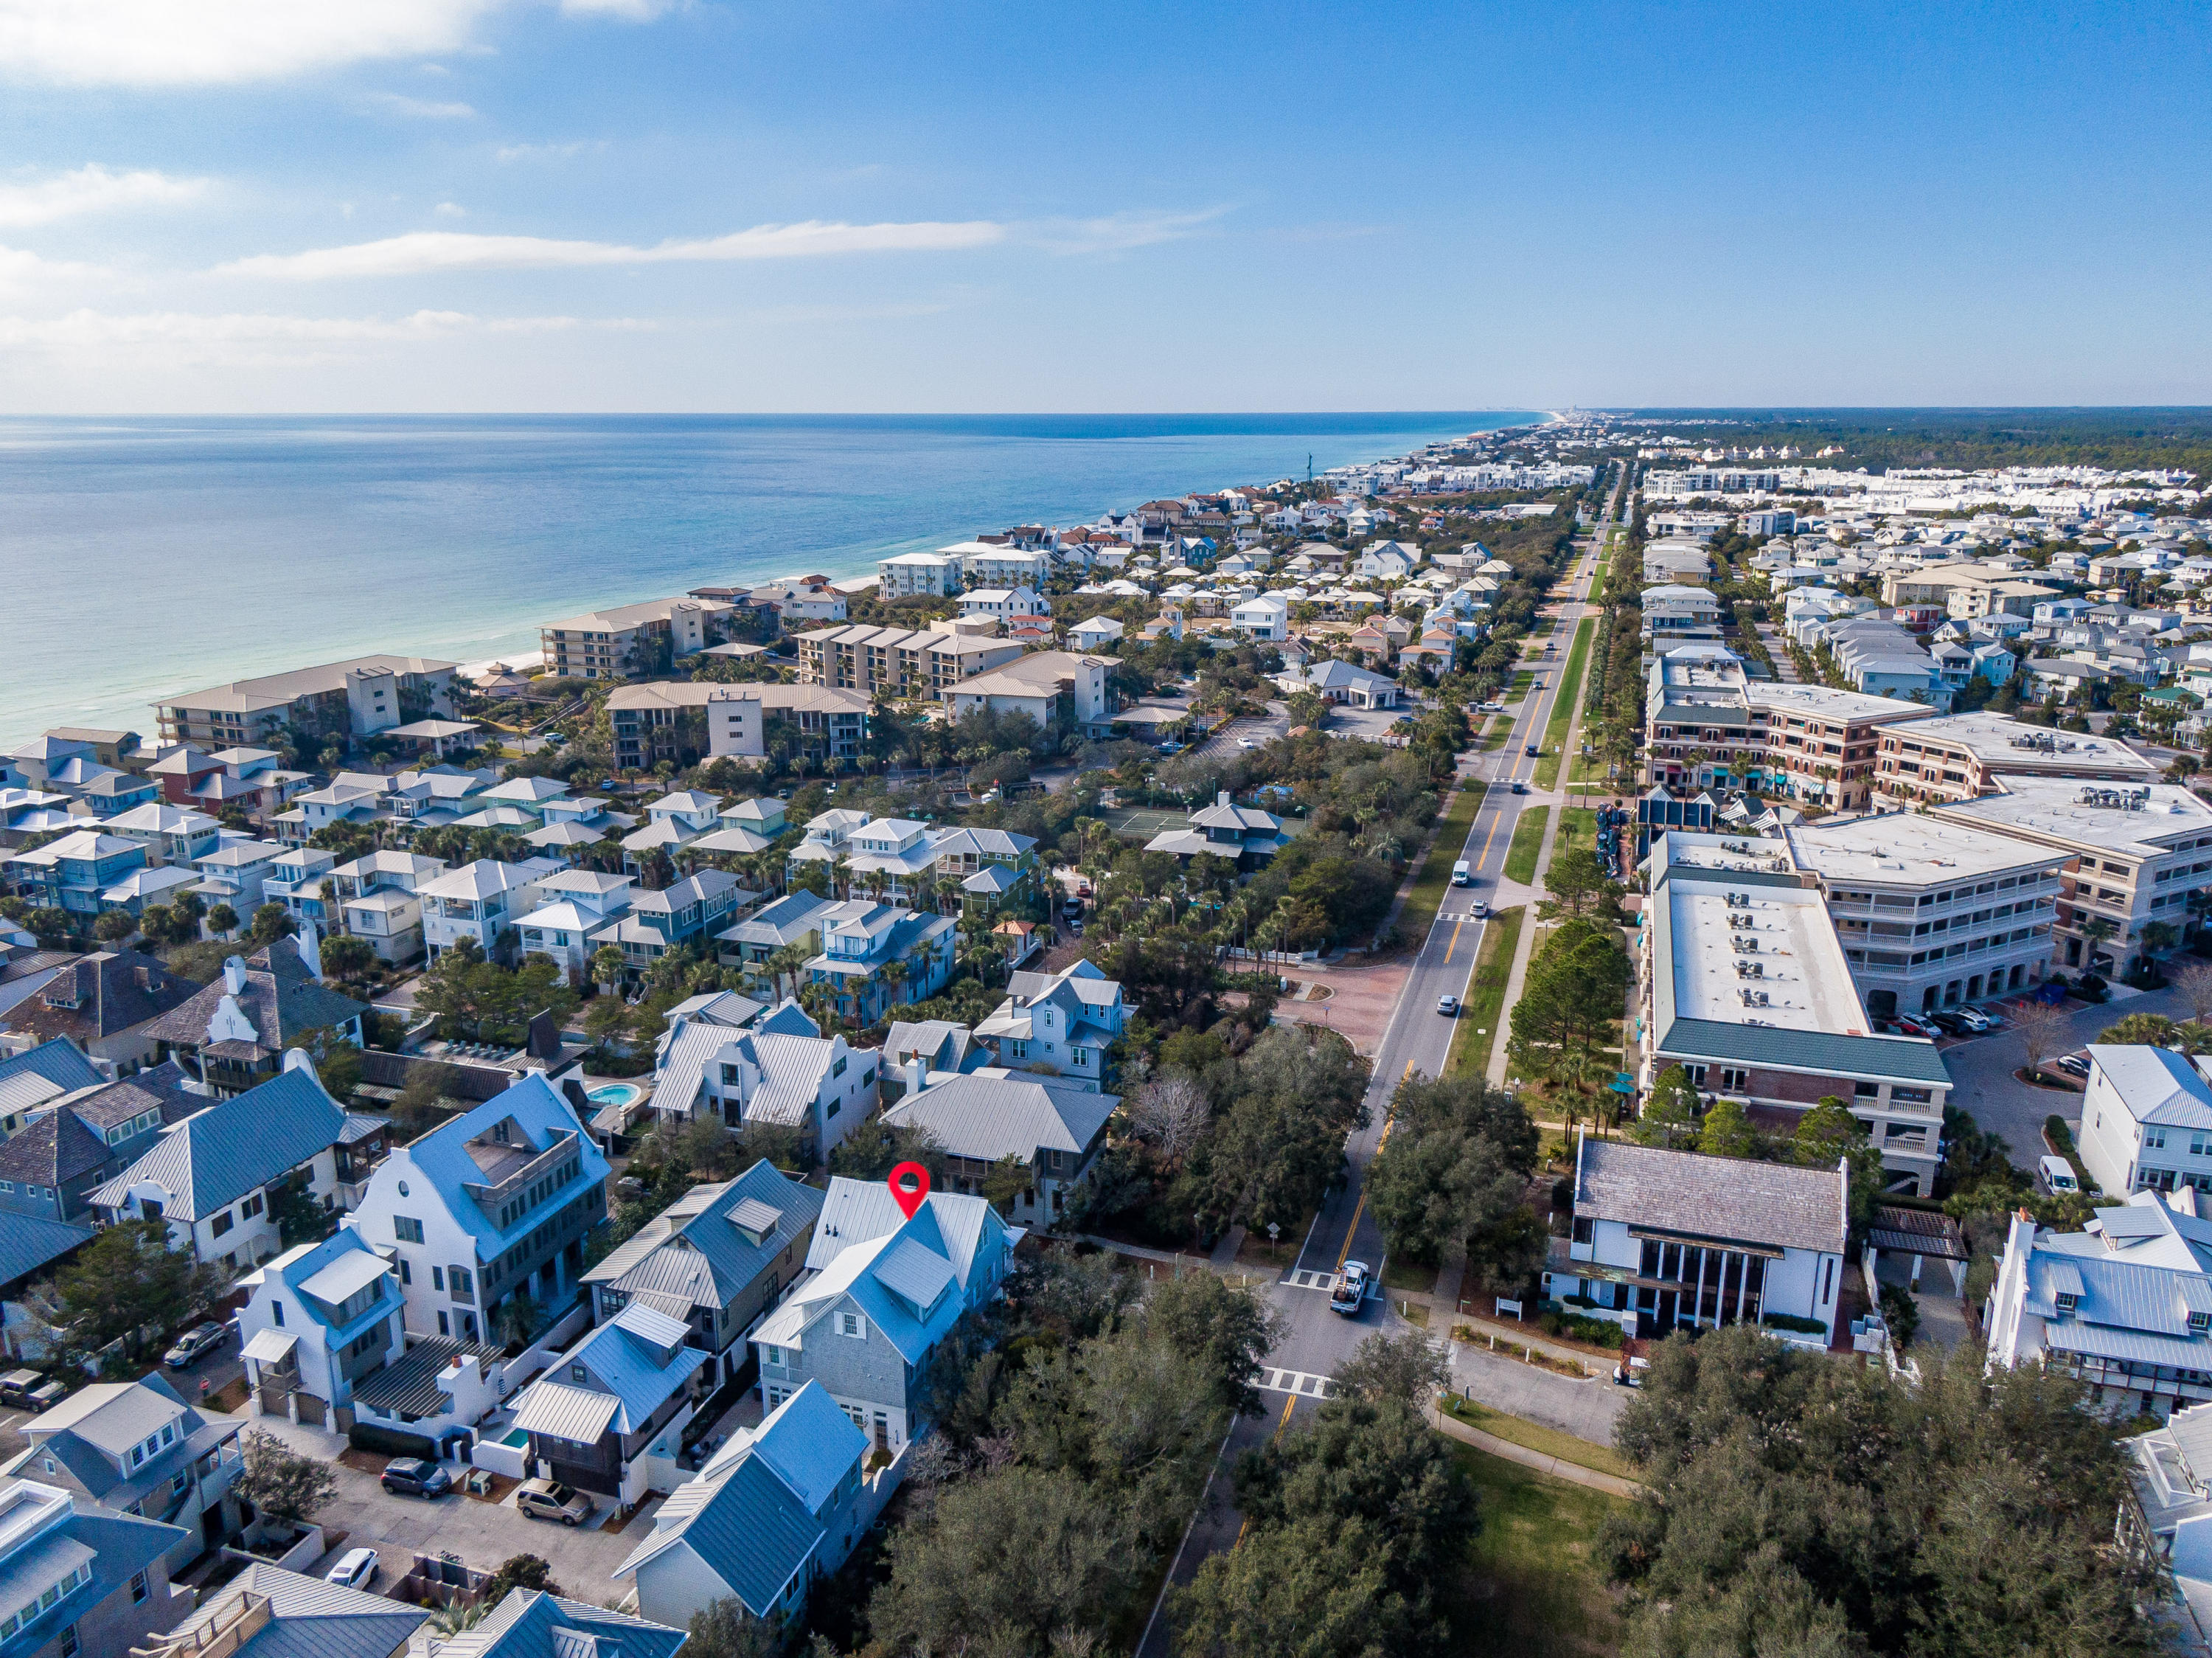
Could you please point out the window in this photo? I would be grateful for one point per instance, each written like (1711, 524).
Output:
(837, 1066)
(461, 1283)
(2154, 1139)
(773, 1355)
(183, 1479)
(169, 1433)
(444, 1329)
(437, 1277)
(405, 1277)
(576, 1373)
(851, 1323)
(406, 1230)
(277, 1313)
(2066, 1302)
(1732, 1079)
(69, 1641)
(138, 1588)
(221, 1224)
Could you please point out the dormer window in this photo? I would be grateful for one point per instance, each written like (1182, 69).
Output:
(2199, 1323)
(2067, 1303)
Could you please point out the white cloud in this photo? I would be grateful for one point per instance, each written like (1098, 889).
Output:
(633, 11)
(176, 339)
(450, 210)
(166, 43)
(1118, 232)
(547, 152)
(423, 251)
(23, 273)
(421, 108)
(90, 189)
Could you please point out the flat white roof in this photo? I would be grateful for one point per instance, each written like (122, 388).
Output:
(1776, 943)
(1824, 701)
(1909, 849)
(2078, 814)
(2006, 742)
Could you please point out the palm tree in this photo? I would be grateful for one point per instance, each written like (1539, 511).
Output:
(894, 975)
(948, 894)
(791, 959)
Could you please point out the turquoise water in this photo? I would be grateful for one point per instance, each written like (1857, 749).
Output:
(616, 1094)
(141, 556)
(517, 1438)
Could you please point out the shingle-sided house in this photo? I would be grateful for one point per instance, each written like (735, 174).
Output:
(865, 946)
(778, 1507)
(1225, 830)
(1053, 1127)
(82, 1137)
(320, 1317)
(139, 1448)
(77, 1582)
(809, 1083)
(1664, 1238)
(717, 1260)
(608, 1416)
(866, 1323)
(1064, 1024)
(30, 1250)
(103, 1003)
(487, 1205)
(235, 1030)
(212, 1175)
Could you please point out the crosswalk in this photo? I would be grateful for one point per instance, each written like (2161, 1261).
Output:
(1311, 1280)
(1299, 1382)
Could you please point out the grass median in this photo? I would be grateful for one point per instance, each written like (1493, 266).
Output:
(1427, 892)
(1527, 837)
(1563, 705)
(1476, 1031)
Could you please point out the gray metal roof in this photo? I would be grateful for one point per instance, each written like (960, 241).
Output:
(562, 1411)
(215, 1156)
(28, 1243)
(315, 1620)
(1727, 1199)
(1826, 1054)
(530, 1624)
(409, 1385)
(989, 1117)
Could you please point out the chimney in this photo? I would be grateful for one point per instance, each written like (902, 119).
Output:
(1221, 798)
(299, 1059)
(917, 1073)
(234, 975)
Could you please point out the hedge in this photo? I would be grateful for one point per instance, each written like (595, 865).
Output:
(367, 1437)
(1790, 1321)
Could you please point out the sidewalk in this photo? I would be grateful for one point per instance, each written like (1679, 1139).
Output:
(1573, 1473)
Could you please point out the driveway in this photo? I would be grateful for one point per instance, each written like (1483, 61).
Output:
(482, 1533)
(1982, 1079)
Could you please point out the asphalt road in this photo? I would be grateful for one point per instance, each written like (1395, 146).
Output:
(1317, 1341)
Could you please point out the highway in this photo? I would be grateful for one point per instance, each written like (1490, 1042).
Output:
(1317, 1341)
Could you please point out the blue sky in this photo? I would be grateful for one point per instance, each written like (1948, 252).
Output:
(648, 205)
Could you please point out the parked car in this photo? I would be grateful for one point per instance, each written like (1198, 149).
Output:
(1520, 788)
(2055, 1175)
(1248, 742)
(1913, 1024)
(410, 1476)
(548, 1499)
(196, 1341)
(1947, 1022)
(356, 1571)
(1170, 748)
(2073, 1064)
(1447, 1006)
(1975, 1020)
(26, 1390)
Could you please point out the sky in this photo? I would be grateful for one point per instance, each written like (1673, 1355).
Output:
(690, 205)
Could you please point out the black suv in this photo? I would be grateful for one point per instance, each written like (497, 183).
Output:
(409, 1475)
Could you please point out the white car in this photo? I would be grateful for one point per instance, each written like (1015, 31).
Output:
(1447, 1006)
(356, 1571)
(1246, 742)
(1480, 911)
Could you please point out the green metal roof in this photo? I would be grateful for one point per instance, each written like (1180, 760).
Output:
(1830, 1053)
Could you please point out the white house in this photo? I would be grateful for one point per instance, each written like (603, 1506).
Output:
(479, 900)
(319, 1316)
(488, 1205)
(778, 1074)
(1095, 634)
(212, 1175)
(933, 574)
(1664, 1238)
(579, 905)
(2146, 1121)
(1003, 604)
(1268, 617)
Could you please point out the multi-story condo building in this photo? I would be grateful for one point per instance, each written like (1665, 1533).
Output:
(2138, 853)
(1744, 984)
(354, 698)
(490, 1205)
(628, 642)
(1663, 1239)
(1710, 727)
(653, 723)
(894, 662)
(1052, 687)
(1000, 564)
(2125, 1308)
(1962, 756)
(934, 574)
(1931, 914)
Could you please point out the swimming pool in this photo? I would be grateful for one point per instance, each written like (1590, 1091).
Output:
(616, 1094)
(517, 1438)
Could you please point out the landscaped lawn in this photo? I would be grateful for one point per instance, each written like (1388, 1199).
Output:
(1527, 837)
(1427, 891)
(1501, 728)
(1477, 1032)
(1578, 827)
(1531, 1587)
(1563, 706)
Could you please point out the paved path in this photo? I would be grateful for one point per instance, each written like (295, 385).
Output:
(1542, 1462)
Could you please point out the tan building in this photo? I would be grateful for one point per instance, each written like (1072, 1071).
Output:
(630, 641)
(896, 662)
(359, 697)
(666, 720)
(1962, 756)
(1965, 591)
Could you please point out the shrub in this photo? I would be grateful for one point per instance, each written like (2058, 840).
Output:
(1791, 1321)
(367, 1437)
(2060, 1137)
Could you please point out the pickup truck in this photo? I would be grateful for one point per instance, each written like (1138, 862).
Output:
(1349, 1292)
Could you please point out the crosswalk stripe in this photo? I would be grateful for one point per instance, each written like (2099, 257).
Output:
(1298, 1382)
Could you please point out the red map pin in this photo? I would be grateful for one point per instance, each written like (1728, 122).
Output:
(910, 1185)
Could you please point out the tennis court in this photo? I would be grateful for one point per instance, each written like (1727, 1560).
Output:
(1143, 822)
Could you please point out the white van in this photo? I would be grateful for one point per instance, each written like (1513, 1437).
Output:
(1461, 875)
(2055, 1175)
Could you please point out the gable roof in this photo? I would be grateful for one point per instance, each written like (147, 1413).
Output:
(1695, 1196)
(531, 1624)
(442, 1155)
(59, 1060)
(988, 1118)
(808, 1441)
(310, 1619)
(2155, 1085)
(638, 1357)
(696, 1250)
(28, 1243)
(210, 1159)
(747, 1528)
(281, 999)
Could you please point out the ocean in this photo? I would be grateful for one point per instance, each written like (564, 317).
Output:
(140, 556)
